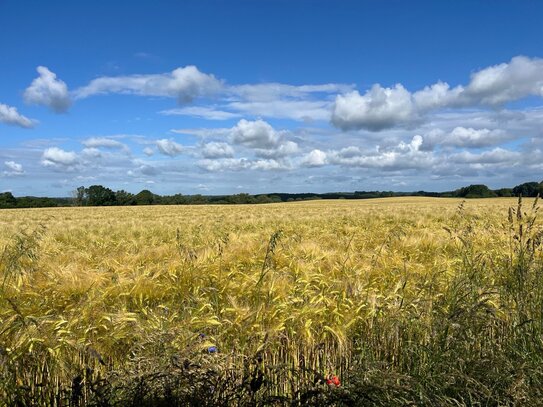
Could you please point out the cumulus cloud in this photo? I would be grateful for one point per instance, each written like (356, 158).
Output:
(14, 169)
(230, 164)
(47, 90)
(185, 84)
(463, 137)
(436, 96)
(283, 149)
(149, 170)
(267, 165)
(217, 150)
(266, 147)
(263, 138)
(376, 109)
(316, 158)
(505, 82)
(495, 156)
(91, 152)
(57, 158)
(403, 156)
(379, 108)
(255, 134)
(143, 170)
(10, 115)
(169, 147)
(383, 108)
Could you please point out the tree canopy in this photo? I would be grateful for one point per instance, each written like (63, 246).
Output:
(98, 195)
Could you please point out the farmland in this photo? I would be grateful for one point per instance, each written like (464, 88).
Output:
(430, 301)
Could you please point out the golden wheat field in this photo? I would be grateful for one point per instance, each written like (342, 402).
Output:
(394, 296)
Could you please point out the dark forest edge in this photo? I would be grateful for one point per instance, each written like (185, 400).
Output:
(98, 195)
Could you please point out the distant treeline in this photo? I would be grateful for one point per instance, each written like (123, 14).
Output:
(98, 195)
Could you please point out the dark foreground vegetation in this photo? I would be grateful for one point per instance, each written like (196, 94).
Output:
(98, 195)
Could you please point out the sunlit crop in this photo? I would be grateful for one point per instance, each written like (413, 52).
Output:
(407, 300)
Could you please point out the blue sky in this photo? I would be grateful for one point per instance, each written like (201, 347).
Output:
(221, 97)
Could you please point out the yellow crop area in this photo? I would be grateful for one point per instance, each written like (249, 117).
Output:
(405, 300)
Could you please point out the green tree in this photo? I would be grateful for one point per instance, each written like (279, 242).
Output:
(125, 198)
(80, 196)
(475, 191)
(242, 198)
(505, 192)
(145, 197)
(528, 189)
(97, 195)
(7, 200)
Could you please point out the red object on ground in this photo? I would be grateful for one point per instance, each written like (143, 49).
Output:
(333, 381)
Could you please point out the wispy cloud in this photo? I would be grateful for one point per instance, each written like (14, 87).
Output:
(184, 84)
(209, 113)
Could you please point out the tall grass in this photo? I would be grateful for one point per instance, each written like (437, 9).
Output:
(407, 301)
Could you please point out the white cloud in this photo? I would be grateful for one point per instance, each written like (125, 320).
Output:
(305, 102)
(14, 169)
(217, 150)
(208, 113)
(302, 110)
(495, 156)
(203, 132)
(10, 115)
(349, 152)
(382, 108)
(169, 147)
(149, 170)
(57, 158)
(262, 138)
(502, 83)
(268, 92)
(148, 151)
(238, 164)
(95, 142)
(379, 108)
(224, 164)
(466, 137)
(316, 158)
(267, 165)
(143, 170)
(277, 100)
(91, 152)
(283, 149)
(185, 84)
(402, 156)
(47, 90)
(255, 134)
(436, 96)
